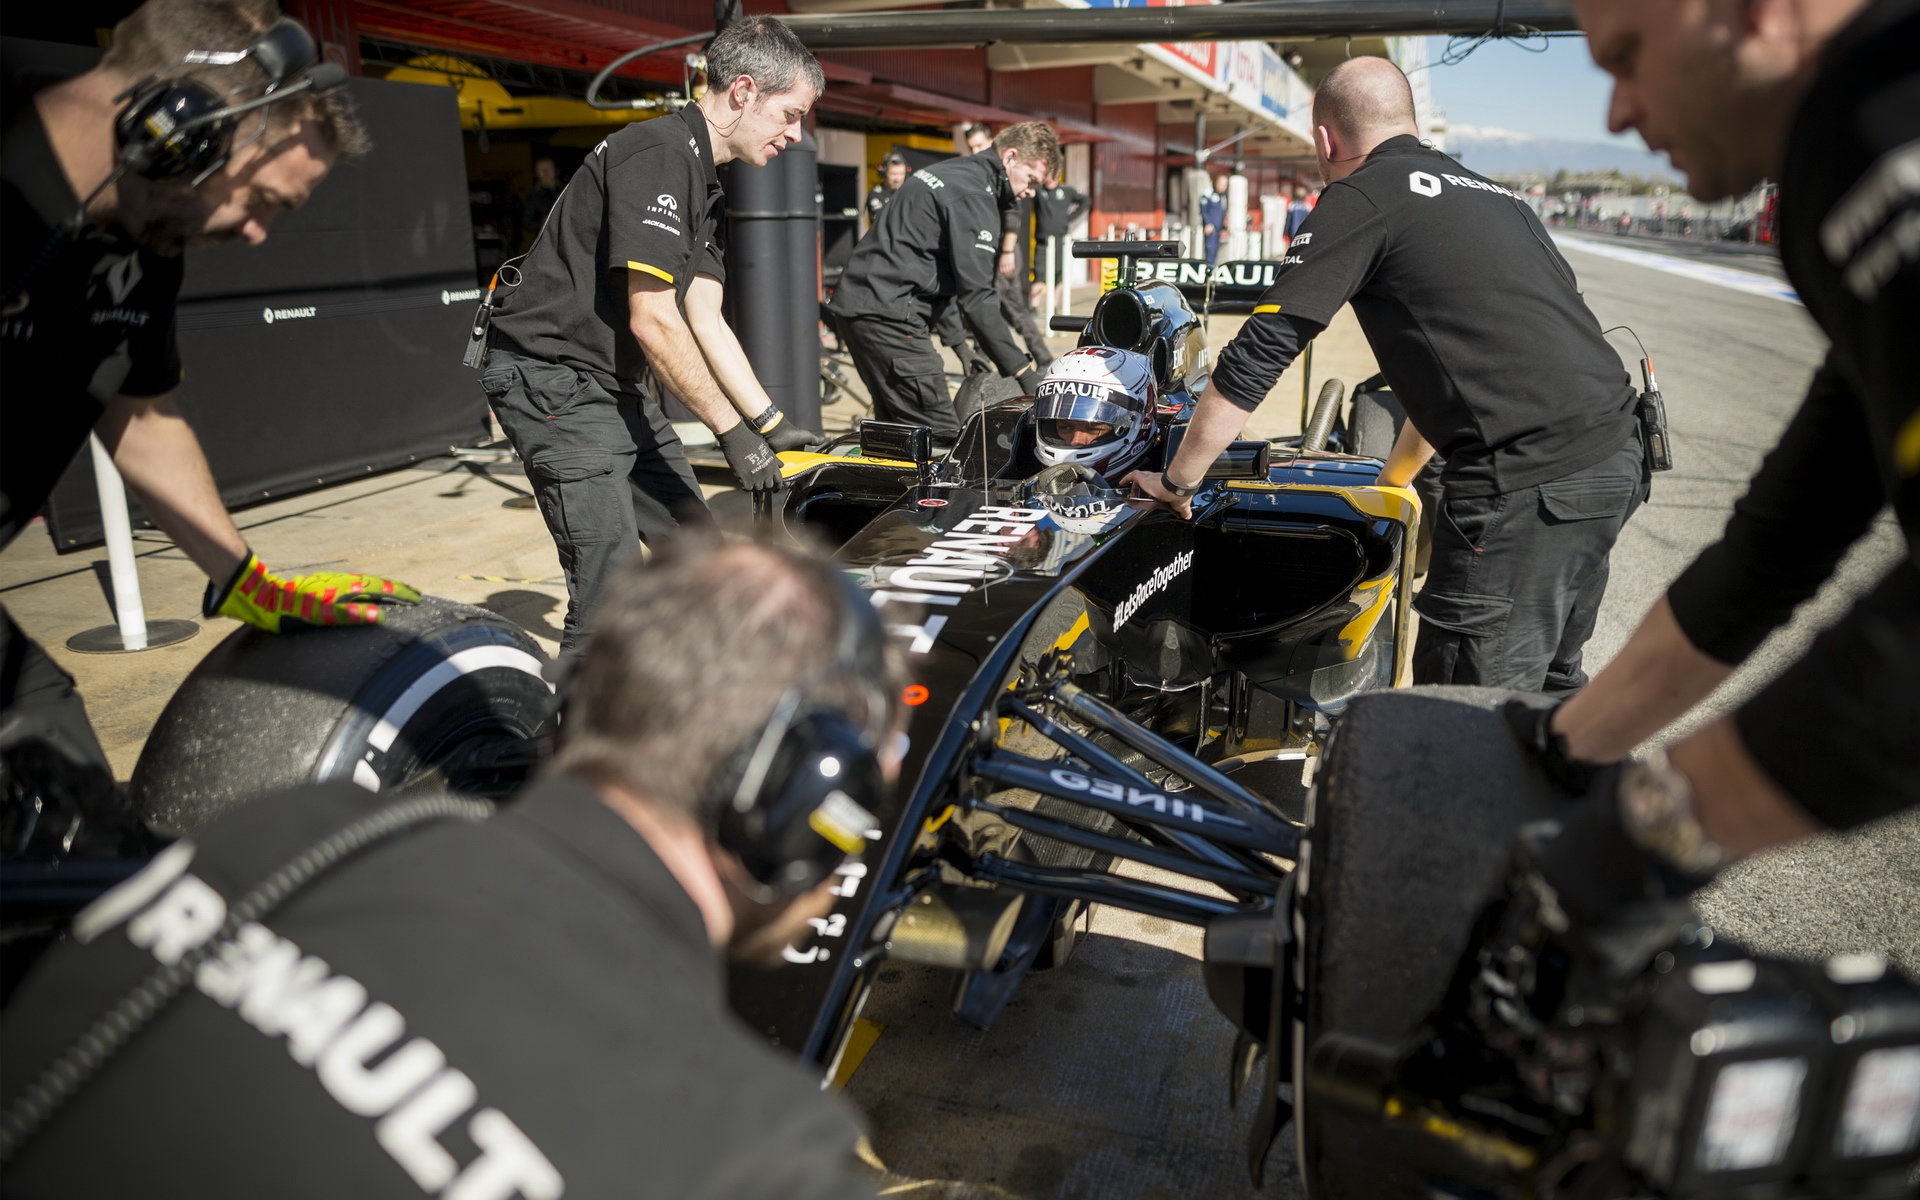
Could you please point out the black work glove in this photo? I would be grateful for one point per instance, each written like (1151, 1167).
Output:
(783, 434)
(1623, 904)
(792, 437)
(974, 361)
(1532, 725)
(754, 463)
(1029, 381)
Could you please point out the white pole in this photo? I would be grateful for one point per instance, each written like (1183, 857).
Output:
(1234, 244)
(128, 609)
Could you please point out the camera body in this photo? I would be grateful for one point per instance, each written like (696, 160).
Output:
(1703, 1073)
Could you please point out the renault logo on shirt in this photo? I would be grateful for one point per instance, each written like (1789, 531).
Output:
(121, 275)
(1422, 184)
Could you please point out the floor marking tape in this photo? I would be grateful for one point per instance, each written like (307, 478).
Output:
(1727, 277)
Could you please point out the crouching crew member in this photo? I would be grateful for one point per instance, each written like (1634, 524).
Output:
(626, 275)
(937, 244)
(526, 1004)
(1478, 325)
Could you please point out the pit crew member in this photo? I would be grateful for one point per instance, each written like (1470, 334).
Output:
(1824, 96)
(935, 246)
(627, 274)
(1479, 326)
(94, 221)
(1213, 217)
(526, 1005)
(1055, 208)
(893, 174)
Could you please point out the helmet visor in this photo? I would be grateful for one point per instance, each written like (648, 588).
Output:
(1081, 411)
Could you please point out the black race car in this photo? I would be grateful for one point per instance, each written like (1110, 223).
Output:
(1093, 679)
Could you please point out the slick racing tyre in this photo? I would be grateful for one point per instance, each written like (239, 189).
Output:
(983, 389)
(1409, 824)
(439, 694)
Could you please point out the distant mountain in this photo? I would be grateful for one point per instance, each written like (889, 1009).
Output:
(1504, 152)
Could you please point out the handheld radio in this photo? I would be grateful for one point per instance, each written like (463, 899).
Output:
(1652, 413)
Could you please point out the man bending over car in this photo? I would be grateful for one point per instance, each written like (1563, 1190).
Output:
(1478, 325)
(99, 197)
(627, 275)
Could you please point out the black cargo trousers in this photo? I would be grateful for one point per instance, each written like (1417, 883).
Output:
(1011, 292)
(905, 376)
(606, 467)
(1517, 577)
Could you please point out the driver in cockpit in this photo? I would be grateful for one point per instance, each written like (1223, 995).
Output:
(1095, 408)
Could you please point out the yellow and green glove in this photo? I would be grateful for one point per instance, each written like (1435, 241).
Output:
(266, 601)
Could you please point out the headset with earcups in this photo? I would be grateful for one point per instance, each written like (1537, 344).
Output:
(799, 796)
(174, 128)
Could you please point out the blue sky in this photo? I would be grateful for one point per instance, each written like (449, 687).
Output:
(1558, 93)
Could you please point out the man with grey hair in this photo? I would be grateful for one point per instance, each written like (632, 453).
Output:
(523, 1004)
(627, 275)
(1479, 326)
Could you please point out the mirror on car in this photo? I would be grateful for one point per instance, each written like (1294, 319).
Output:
(1240, 460)
(896, 440)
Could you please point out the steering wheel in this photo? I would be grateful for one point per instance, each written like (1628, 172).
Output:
(1063, 479)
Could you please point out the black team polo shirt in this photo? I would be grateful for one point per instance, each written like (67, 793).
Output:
(88, 316)
(1476, 320)
(647, 199)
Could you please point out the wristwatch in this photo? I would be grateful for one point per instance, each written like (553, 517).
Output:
(1656, 807)
(1179, 491)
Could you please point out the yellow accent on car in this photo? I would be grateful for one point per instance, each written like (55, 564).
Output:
(860, 1039)
(656, 272)
(848, 841)
(1390, 503)
(1906, 447)
(793, 462)
(1378, 593)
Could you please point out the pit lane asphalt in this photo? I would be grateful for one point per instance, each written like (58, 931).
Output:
(1104, 1078)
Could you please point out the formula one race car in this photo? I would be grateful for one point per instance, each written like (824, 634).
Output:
(1095, 681)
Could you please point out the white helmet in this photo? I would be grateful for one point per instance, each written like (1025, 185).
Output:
(1095, 406)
